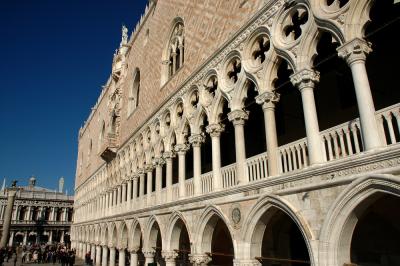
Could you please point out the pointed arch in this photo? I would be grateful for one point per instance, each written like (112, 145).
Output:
(135, 235)
(175, 226)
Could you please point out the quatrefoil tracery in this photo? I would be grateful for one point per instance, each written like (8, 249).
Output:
(260, 49)
(294, 23)
(233, 70)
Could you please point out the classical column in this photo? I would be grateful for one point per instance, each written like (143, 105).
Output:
(24, 242)
(129, 190)
(62, 236)
(168, 160)
(181, 55)
(50, 236)
(7, 217)
(93, 251)
(119, 195)
(355, 53)
(141, 185)
(149, 170)
(196, 141)
(135, 188)
(268, 101)
(124, 199)
(199, 259)
(98, 255)
(181, 149)
(305, 81)
(173, 62)
(112, 256)
(149, 255)
(238, 118)
(134, 258)
(121, 257)
(11, 240)
(169, 257)
(158, 162)
(215, 131)
(104, 260)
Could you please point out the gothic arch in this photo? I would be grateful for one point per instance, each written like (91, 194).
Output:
(337, 229)
(174, 228)
(123, 235)
(151, 233)
(135, 234)
(205, 228)
(253, 231)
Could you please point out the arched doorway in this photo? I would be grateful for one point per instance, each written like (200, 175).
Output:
(377, 232)
(276, 240)
(217, 242)
(180, 242)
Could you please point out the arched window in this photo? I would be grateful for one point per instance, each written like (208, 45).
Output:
(133, 99)
(101, 135)
(174, 54)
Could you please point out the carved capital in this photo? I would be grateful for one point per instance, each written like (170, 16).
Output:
(158, 161)
(246, 263)
(168, 155)
(268, 99)
(148, 168)
(169, 256)
(149, 253)
(199, 259)
(238, 117)
(354, 51)
(181, 148)
(215, 130)
(305, 78)
(196, 140)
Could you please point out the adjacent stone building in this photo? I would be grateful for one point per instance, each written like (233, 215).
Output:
(246, 132)
(40, 215)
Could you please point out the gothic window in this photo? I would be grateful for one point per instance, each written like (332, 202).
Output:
(174, 56)
(134, 92)
(101, 136)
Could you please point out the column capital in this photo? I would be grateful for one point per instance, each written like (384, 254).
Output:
(199, 259)
(149, 253)
(215, 130)
(355, 50)
(121, 248)
(196, 140)
(168, 155)
(141, 171)
(246, 263)
(305, 78)
(158, 161)
(169, 256)
(238, 117)
(133, 250)
(181, 148)
(268, 99)
(148, 168)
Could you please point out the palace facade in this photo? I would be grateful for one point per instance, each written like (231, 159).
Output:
(262, 132)
(39, 216)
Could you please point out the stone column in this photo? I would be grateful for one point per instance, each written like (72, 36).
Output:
(149, 171)
(121, 257)
(134, 258)
(238, 118)
(93, 251)
(169, 257)
(355, 53)
(50, 236)
(168, 160)
(141, 185)
(215, 131)
(124, 192)
(305, 81)
(149, 255)
(62, 237)
(173, 62)
(112, 256)
(196, 141)
(25, 241)
(199, 259)
(104, 259)
(119, 195)
(11, 240)
(181, 55)
(98, 255)
(135, 188)
(268, 101)
(129, 190)
(181, 149)
(158, 162)
(7, 217)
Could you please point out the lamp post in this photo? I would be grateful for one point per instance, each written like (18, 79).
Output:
(12, 191)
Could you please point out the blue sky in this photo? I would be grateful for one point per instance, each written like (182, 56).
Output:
(54, 57)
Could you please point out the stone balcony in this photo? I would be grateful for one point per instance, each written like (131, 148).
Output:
(109, 148)
(344, 159)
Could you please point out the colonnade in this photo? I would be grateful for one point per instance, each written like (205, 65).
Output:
(132, 188)
(30, 214)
